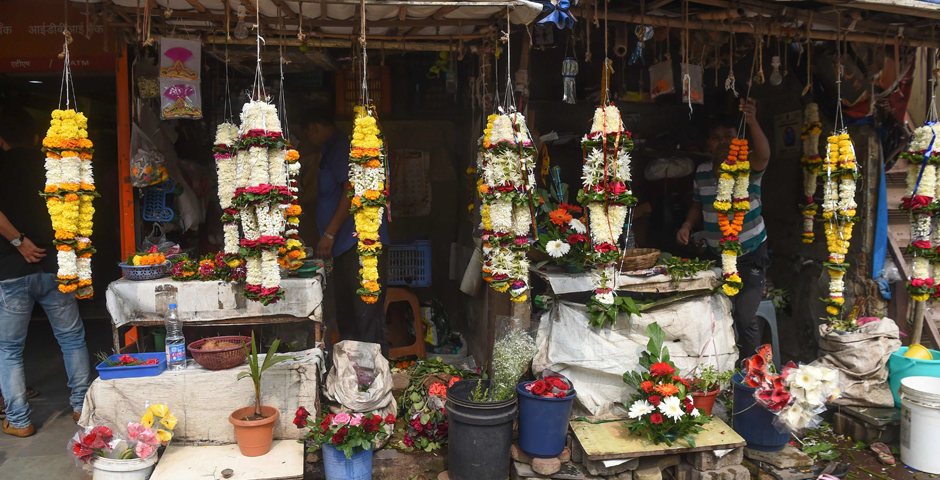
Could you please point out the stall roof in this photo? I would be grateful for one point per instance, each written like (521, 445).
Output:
(329, 19)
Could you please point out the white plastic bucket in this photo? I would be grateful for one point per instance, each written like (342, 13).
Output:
(920, 422)
(116, 469)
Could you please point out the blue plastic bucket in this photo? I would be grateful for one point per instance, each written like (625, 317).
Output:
(338, 467)
(901, 367)
(754, 422)
(543, 422)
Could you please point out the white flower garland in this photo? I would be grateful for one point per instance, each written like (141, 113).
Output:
(507, 182)
(811, 162)
(920, 195)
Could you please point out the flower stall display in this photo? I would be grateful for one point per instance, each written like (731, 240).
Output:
(261, 196)
(811, 162)
(97, 441)
(661, 408)
(839, 209)
(69, 191)
(797, 395)
(562, 234)
(507, 164)
(919, 200)
(732, 203)
(368, 174)
(606, 196)
(346, 440)
(140, 440)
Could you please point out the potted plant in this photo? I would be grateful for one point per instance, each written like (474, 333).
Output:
(346, 440)
(706, 383)
(254, 426)
(662, 408)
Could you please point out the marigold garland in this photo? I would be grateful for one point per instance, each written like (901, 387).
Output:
(920, 200)
(506, 164)
(839, 210)
(606, 196)
(811, 162)
(369, 197)
(731, 203)
(69, 191)
(291, 255)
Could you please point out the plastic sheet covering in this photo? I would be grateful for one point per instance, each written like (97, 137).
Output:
(595, 359)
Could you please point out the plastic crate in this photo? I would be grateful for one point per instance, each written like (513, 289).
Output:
(410, 265)
(109, 373)
(155, 209)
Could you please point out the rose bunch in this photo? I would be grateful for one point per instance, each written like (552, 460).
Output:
(349, 433)
(550, 386)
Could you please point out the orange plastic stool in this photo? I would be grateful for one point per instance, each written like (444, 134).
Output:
(397, 294)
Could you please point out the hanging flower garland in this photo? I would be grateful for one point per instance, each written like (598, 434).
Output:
(606, 196)
(368, 176)
(507, 177)
(225, 137)
(918, 200)
(69, 191)
(261, 195)
(811, 162)
(731, 203)
(839, 210)
(292, 254)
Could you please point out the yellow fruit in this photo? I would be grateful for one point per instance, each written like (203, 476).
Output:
(919, 352)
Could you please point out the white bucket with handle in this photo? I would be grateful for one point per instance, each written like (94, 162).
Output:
(116, 469)
(920, 422)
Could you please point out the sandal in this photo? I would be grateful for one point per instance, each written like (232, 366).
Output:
(883, 452)
(30, 393)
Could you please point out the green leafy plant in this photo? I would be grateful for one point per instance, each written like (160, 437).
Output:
(255, 370)
(707, 378)
(601, 313)
(679, 268)
(479, 395)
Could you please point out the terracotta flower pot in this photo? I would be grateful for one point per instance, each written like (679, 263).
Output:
(705, 400)
(254, 437)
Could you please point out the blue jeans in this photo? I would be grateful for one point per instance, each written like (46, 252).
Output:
(17, 297)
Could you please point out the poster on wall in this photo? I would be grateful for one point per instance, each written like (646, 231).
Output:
(180, 62)
(787, 129)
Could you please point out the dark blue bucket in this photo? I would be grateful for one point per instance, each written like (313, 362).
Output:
(338, 467)
(543, 422)
(754, 422)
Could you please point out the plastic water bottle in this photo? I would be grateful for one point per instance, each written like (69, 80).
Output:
(175, 342)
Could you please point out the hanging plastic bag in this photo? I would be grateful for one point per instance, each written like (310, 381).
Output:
(146, 160)
(692, 83)
(661, 79)
(180, 95)
(157, 238)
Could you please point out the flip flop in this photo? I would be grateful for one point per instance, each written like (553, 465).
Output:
(30, 393)
(883, 452)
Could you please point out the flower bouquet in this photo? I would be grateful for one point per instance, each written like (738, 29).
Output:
(141, 441)
(797, 396)
(560, 235)
(662, 405)
(349, 433)
(550, 386)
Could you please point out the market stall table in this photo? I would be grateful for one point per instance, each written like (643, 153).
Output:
(612, 440)
(203, 399)
(203, 303)
(562, 283)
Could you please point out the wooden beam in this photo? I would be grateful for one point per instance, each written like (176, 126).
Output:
(249, 5)
(912, 8)
(211, 17)
(198, 6)
(402, 13)
(439, 14)
(125, 190)
(767, 29)
(389, 44)
(776, 11)
(657, 4)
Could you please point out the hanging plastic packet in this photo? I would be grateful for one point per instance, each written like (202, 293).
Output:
(661, 81)
(569, 69)
(179, 79)
(643, 33)
(692, 84)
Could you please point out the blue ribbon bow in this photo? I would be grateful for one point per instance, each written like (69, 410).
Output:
(559, 14)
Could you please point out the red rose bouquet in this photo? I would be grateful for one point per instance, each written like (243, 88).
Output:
(550, 386)
(347, 432)
(662, 405)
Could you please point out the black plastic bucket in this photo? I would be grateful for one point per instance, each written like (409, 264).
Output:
(480, 434)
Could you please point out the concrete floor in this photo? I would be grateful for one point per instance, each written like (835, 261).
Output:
(44, 455)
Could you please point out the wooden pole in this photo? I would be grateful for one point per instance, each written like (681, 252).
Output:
(919, 311)
(125, 190)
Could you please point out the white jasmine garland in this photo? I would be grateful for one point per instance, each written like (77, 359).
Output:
(83, 267)
(522, 136)
(250, 223)
(501, 216)
(807, 223)
(277, 167)
(242, 168)
(600, 231)
(920, 226)
(521, 221)
(68, 266)
(230, 238)
(920, 268)
(623, 166)
(847, 194)
(225, 169)
(920, 140)
(53, 171)
(740, 189)
(606, 298)
(70, 170)
(270, 270)
(830, 195)
(725, 189)
(606, 120)
(253, 271)
(364, 179)
(836, 285)
(258, 159)
(86, 175)
(809, 184)
(226, 134)
(729, 262)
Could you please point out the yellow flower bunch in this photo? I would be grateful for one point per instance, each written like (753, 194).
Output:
(366, 143)
(485, 217)
(722, 206)
(488, 130)
(367, 223)
(730, 290)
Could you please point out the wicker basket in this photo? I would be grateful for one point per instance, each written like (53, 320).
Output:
(639, 258)
(144, 272)
(223, 358)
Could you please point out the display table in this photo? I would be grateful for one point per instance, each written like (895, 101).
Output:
(611, 441)
(203, 399)
(285, 461)
(144, 303)
(562, 283)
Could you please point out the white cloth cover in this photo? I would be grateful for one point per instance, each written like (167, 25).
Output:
(596, 359)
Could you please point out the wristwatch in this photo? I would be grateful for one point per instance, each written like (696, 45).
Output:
(16, 242)
(327, 235)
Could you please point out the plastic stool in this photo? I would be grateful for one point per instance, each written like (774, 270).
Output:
(397, 294)
(767, 311)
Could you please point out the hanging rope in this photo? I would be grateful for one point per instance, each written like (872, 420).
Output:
(228, 113)
(839, 121)
(66, 85)
(257, 89)
(729, 82)
(809, 56)
(686, 78)
(364, 89)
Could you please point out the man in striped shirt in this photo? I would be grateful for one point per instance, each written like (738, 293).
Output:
(753, 263)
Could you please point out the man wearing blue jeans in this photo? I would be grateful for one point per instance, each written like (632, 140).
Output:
(27, 275)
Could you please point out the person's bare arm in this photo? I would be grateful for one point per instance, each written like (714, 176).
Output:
(760, 146)
(339, 217)
(27, 249)
(692, 219)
